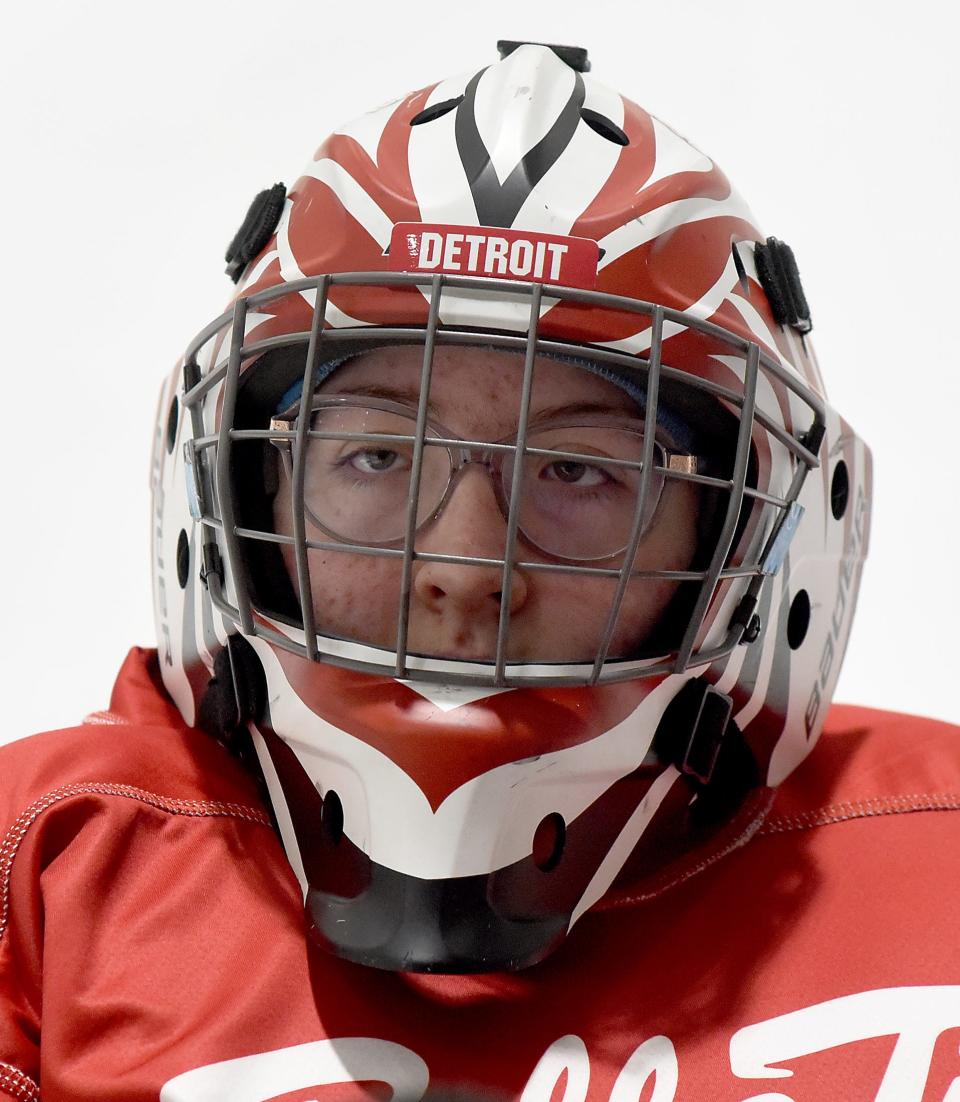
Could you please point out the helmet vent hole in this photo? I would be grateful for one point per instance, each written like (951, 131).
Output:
(183, 559)
(798, 620)
(548, 841)
(435, 111)
(603, 126)
(173, 419)
(331, 817)
(839, 490)
(741, 270)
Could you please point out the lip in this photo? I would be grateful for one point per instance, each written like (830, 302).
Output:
(463, 654)
(459, 652)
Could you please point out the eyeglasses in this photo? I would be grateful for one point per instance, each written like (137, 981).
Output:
(579, 487)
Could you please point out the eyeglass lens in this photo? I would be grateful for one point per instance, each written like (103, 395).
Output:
(572, 508)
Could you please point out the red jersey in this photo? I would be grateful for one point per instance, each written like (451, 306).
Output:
(153, 944)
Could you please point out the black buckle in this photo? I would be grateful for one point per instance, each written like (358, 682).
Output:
(258, 227)
(780, 278)
(706, 738)
(692, 730)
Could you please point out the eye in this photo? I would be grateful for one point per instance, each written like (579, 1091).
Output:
(373, 460)
(575, 474)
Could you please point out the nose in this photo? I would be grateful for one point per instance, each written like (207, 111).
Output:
(470, 524)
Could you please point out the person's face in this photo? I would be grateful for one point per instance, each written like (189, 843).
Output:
(455, 608)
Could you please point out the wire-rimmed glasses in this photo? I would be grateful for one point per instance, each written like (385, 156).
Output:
(579, 488)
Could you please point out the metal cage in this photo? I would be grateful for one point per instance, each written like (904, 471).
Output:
(208, 462)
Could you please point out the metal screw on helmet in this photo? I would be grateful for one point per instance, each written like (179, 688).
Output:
(752, 634)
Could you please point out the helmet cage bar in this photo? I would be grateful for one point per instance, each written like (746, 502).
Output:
(676, 474)
(416, 465)
(622, 671)
(508, 288)
(513, 519)
(198, 385)
(416, 334)
(725, 539)
(650, 416)
(299, 460)
(490, 454)
(224, 451)
(378, 551)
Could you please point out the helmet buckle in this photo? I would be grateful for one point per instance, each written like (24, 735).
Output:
(691, 733)
(706, 737)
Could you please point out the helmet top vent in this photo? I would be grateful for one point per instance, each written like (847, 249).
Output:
(603, 126)
(435, 111)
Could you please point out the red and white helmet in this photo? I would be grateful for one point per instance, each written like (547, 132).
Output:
(460, 816)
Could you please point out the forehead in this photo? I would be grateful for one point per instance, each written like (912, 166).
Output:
(479, 389)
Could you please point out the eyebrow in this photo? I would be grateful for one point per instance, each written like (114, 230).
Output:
(575, 409)
(390, 393)
(548, 413)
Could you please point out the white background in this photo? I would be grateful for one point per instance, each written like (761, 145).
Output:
(134, 137)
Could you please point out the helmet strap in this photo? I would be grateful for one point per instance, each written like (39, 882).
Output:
(697, 735)
(235, 695)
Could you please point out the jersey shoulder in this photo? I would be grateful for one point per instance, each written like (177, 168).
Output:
(140, 744)
(871, 762)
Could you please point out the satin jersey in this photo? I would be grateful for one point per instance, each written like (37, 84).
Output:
(153, 944)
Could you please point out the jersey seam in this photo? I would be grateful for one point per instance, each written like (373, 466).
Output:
(105, 717)
(847, 810)
(749, 831)
(171, 806)
(15, 1083)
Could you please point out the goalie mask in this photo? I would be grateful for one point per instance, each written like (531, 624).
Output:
(505, 514)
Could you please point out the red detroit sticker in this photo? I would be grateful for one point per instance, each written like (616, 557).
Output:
(496, 252)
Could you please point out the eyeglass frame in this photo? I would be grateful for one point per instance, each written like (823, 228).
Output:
(462, 452)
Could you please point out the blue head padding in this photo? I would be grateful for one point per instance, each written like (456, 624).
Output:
(679, 431)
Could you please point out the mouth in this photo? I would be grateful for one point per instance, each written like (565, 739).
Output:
(463, 653)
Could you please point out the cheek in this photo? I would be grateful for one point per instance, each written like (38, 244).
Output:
(672, 542)
(671, 545)
(355, 596)
(643, 606)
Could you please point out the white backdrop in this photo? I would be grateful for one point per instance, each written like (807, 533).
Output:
(135, 136)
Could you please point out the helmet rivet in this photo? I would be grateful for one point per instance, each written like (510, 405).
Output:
(753, 630)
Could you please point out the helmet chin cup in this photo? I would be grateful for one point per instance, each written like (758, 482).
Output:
(402, 923)
(366, 912)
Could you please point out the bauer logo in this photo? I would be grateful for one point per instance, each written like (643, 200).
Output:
(494, 252)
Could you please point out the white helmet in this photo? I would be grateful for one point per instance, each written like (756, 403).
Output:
(459, 815)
